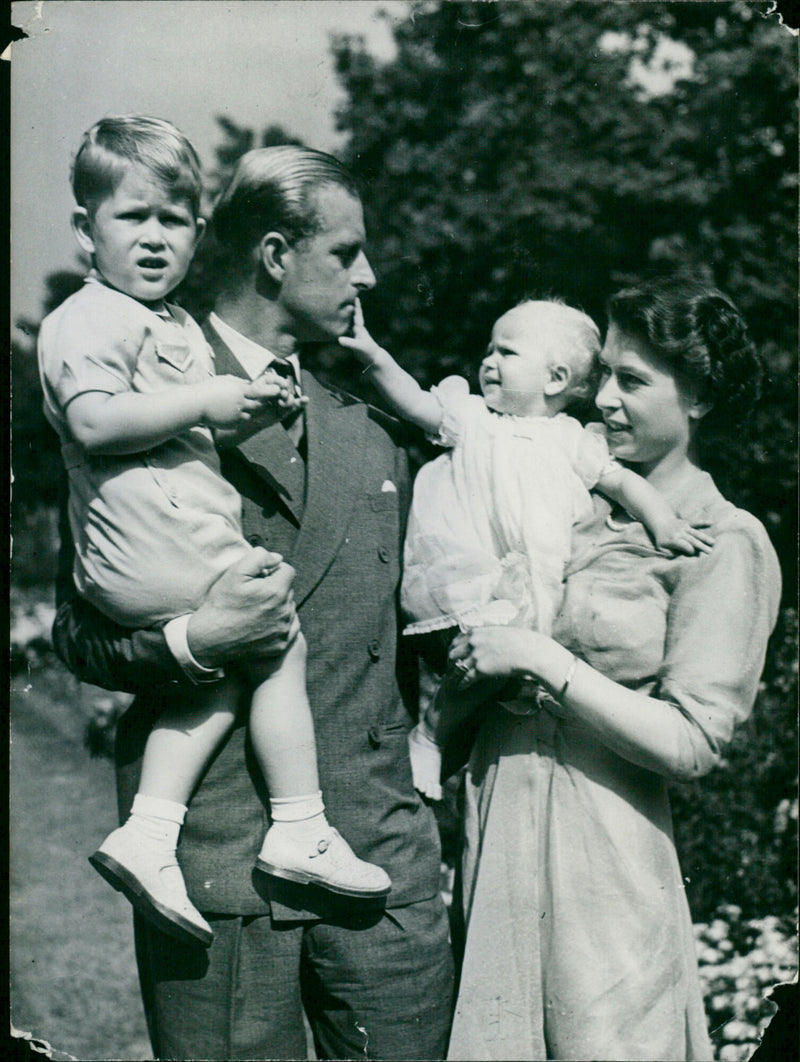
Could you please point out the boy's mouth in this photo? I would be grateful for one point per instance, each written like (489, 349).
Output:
(152, 263)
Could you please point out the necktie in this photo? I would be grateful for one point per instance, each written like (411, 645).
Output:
(293, 421)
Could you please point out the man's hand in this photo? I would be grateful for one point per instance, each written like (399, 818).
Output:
(248, 612)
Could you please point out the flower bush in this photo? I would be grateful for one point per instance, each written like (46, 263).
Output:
(740, 960)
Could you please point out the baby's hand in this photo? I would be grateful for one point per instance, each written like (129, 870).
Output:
(229, 401)
(679, 536)
(271, 388)
(361, 342)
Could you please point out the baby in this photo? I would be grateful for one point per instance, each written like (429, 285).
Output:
(130, 388)
(491, 520)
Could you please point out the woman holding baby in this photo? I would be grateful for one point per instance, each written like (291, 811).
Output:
(579, 942)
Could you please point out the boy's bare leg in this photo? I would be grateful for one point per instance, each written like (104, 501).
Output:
(300, 845)
(140, 858)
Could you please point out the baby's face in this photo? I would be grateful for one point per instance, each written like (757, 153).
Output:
(142, 237)
(516, 366)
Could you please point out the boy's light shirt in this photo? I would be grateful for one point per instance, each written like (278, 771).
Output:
(254, 359)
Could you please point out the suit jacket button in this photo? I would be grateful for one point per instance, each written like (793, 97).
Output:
(374, 735)
(374, 649)
(255, 540)
(384, 554)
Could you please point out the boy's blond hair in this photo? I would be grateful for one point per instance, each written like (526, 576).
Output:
(112, 145)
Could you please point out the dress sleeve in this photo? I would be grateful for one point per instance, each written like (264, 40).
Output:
(588, 451)
(93, 351)
(457, 407)
(722, 610)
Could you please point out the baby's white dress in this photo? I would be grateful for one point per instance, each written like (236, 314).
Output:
(491, 520)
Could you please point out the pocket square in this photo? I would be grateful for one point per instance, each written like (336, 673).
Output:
(388, 487)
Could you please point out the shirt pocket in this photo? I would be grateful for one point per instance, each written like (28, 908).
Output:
(177, 356)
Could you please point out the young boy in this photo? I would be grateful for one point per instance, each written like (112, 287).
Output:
(129, 386)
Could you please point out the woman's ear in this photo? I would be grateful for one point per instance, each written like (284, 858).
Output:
(272, 251)
(697, 410)
(82, 227)
(560, 376)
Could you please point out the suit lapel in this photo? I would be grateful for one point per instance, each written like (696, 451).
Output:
(269, 453)
(335, 435)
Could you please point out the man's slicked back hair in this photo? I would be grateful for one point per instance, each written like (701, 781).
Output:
(272, 190)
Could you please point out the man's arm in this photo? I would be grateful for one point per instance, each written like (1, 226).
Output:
(245, 614)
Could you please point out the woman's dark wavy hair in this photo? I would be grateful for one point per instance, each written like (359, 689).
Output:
(701, 336)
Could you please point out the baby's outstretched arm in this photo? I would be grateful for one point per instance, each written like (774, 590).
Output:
(400, 388)
(647, 504)
(129, 421)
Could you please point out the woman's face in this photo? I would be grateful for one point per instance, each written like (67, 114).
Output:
(647, 413)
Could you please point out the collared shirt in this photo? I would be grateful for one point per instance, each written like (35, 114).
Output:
(251, 355)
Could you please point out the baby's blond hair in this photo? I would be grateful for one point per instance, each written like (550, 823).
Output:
(571, 337)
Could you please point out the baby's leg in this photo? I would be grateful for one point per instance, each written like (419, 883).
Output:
(300, 845)
(140, 858)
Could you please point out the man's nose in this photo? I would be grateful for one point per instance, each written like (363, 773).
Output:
(363, 277)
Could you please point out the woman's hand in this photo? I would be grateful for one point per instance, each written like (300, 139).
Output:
(495, 652)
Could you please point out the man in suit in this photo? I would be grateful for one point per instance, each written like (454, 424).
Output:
(328, 491)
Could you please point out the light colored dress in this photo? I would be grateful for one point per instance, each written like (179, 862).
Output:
(579, 942)
(152, 530)
(490, 526)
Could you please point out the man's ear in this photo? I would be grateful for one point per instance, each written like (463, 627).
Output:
(200, 230)
(82, 227)
(560, 376)
(272, 253)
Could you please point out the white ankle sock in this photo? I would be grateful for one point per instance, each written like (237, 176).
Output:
(301, 816)
(157, 820)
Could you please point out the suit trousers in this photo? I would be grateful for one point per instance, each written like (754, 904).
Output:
(374, 986)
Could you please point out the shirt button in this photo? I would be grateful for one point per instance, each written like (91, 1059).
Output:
(374, 735)
(374, 649)
(384, 554)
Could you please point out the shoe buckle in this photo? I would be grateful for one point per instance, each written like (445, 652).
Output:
(322, 848)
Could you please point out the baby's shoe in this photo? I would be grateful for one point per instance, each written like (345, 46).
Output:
(328, 861)
(153, 882)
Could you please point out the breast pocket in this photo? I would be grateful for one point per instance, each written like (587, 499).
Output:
(174, 358)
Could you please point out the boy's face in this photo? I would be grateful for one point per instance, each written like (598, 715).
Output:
(142, 237)
(516, 367)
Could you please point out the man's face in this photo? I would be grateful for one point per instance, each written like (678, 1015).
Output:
(325, 273)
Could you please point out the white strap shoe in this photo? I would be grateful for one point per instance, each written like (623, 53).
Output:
(330, 863)
(152, 883)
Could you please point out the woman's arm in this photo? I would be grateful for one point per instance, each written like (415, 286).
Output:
(128, 422)
(397, 386)
(648, 732)
(719, 620)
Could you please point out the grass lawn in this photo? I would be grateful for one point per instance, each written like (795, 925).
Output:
(73, 977)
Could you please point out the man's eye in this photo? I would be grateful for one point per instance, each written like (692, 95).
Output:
(174, 219)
